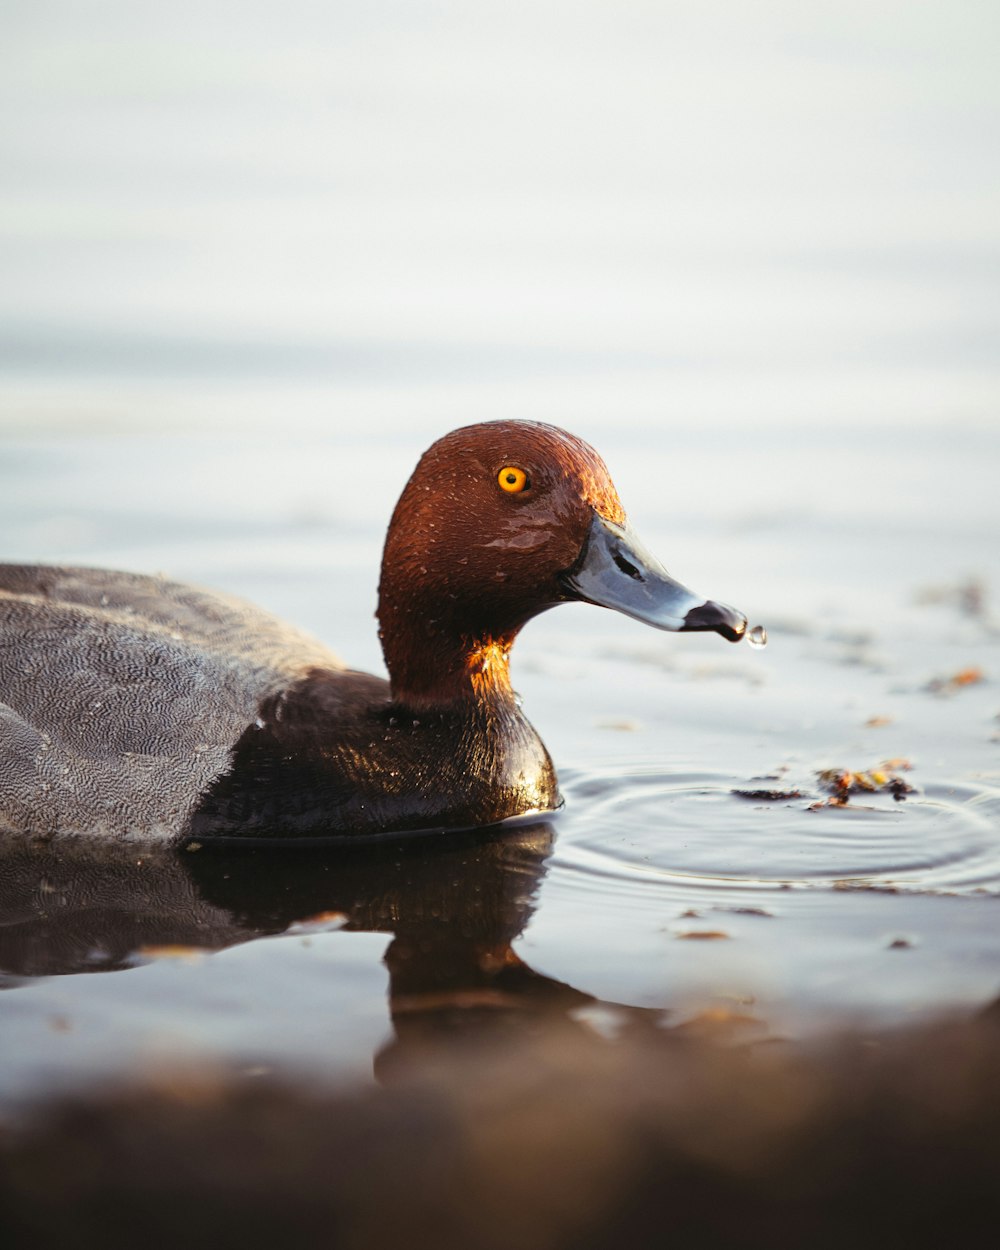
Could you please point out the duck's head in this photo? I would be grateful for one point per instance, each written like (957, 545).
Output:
(499, 522)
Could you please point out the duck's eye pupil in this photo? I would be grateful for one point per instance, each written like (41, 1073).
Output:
(512, 479)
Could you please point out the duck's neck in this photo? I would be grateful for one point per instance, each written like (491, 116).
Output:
(442, 672)
(434, 663)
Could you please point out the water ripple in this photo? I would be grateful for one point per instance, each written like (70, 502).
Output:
(681, 832)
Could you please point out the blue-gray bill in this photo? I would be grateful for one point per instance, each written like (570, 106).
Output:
(616, 571)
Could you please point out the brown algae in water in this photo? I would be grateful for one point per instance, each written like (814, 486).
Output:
(957, 681)
(843, 782)
(768, 796)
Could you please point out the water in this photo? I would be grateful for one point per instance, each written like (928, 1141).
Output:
(249, 277)
(872, 913)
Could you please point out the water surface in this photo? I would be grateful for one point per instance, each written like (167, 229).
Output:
(659, 888)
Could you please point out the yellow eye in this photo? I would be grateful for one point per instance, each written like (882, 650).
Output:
(512, 480)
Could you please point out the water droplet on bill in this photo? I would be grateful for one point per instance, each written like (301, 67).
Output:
(757, 637)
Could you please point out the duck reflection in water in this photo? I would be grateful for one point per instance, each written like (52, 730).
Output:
(453, 905)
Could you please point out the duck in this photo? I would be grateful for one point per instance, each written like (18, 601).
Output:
(135, 707)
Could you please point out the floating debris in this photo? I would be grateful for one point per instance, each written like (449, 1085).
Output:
(957, 681)
(703, 935)
(864, 885)
(969, 597)
(620, 725)
(843, 782)
(877, 722)
(768, 796)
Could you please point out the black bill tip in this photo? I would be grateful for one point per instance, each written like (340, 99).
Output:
(719, 618)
